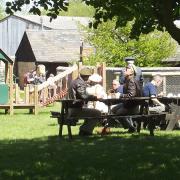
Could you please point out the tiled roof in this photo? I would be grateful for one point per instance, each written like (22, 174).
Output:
(55, 45)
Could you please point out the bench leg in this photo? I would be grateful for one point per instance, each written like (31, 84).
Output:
(30, 111)
(138, 126)
(69, 131)
(60, 127)
(151, 126)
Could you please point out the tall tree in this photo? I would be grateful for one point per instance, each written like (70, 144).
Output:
(76, 8)
(148, 14)
(112, 45)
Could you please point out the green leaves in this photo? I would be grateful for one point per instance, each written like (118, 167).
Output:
(112, 45)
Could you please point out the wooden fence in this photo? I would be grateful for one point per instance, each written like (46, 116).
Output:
(30, 97)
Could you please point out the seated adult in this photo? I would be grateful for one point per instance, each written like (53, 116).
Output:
(150, 90)
(97, 89)
(116, 88)
(131, 89)
(78, 110)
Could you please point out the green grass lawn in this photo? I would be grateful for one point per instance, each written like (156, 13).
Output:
(30, 149)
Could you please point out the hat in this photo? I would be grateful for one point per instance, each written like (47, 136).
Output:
(85, 71)
(95, 78)
(129, 59)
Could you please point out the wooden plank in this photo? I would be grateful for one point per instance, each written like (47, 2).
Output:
(11, 88)
(172, 121)
(18, 106)
(36, 97)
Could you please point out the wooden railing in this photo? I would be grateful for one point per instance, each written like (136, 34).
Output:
(37, 95)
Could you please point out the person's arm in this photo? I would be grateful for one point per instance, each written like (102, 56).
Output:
(156, 101)
(82, 94)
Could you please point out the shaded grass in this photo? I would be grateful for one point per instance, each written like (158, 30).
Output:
(30, 149)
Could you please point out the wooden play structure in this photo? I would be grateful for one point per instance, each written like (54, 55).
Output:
(6, 86)
(31, 97)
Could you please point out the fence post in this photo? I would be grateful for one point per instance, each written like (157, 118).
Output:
(75, 73)
(11, 93)
(79, 66)
(164, 85)
(26, 95)
(104, 75)
(36, 100)
(17, 91)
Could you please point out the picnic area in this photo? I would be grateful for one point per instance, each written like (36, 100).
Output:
(31, 149)
(89, 90)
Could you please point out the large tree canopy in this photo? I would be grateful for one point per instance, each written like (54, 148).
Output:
(147, 14)
(112, 45)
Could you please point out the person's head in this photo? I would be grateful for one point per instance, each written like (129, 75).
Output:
(158, 79)
(95, 78)
(129, 60)
(130, 71)
(85, 72)
(115, 84)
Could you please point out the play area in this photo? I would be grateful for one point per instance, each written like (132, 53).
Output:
(36, 95)
(33, 96)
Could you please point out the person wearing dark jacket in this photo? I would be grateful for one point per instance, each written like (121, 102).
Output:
(78, 109)
(138, 73)
(131, 89)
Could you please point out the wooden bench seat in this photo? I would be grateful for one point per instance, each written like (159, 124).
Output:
(64, 121)
(150, 119)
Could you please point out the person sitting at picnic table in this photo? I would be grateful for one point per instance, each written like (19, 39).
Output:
(116, 88)
(78, 109)
(131, 89)
(150, 90)
(97, 89)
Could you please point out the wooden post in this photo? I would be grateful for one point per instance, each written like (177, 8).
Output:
(104, 75)
(36, 102)
(96, 68)
(11, 88)
(75, 73)
(164, 85)
(79, 66)
(46, 93)
(31, 93)
(26, 95)
(17, 91)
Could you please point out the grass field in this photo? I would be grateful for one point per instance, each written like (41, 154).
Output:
(30, 149)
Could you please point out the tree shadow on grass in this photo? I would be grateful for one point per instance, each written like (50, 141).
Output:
(96, 157)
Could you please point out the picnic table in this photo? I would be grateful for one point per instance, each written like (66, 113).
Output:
(63, 119)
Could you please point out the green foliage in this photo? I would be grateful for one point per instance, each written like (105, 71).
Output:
(2, 11)
(148, 15)
(78, 8)
(75, 8)
(112, 45)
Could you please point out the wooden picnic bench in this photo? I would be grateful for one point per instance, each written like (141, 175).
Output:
(151, 120)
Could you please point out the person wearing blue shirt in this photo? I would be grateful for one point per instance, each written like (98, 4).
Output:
(150, 90)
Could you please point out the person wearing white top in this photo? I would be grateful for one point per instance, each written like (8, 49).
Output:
(97, 89)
